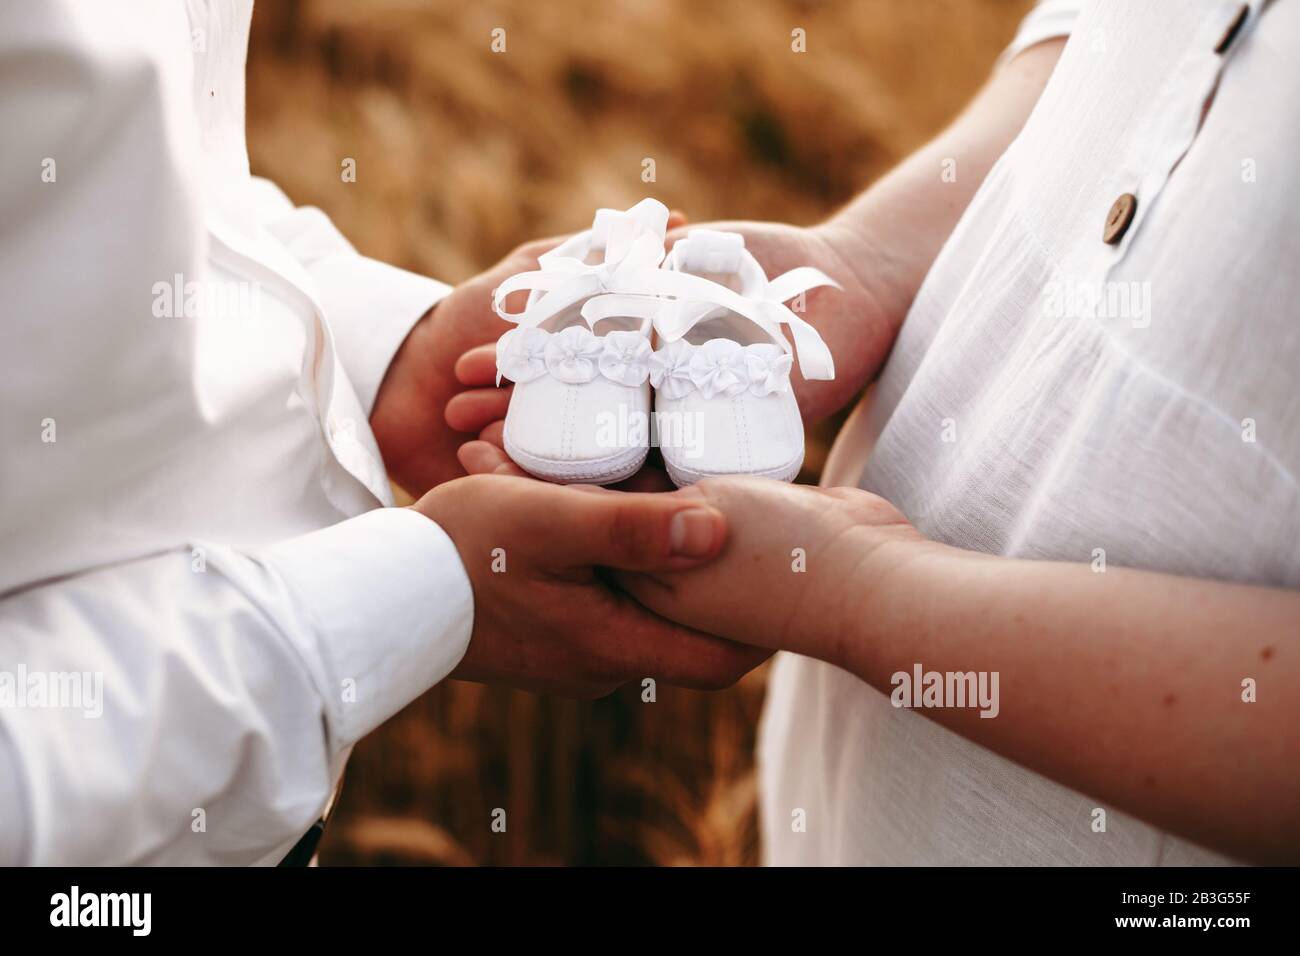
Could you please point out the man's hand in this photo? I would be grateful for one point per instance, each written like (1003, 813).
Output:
(409, 421)
(545, 616)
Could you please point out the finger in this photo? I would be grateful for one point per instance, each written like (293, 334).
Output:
(475, 409)
(677, 597)
(654, 592)
(494, 433)
(478, 366)
(632, 531)
(484, 458)
(677, 219)
(656, 647)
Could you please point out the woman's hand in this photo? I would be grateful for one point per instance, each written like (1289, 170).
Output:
(1136, 688)
(858, 321)
(789, 575)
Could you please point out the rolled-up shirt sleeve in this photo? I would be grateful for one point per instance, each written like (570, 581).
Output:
(370, 305)
(207, 705)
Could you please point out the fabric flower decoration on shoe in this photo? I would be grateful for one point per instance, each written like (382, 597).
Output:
(571, 355)
(718, 368)
(521, 355)
(670, 370)
(769, 369)
(625, 357)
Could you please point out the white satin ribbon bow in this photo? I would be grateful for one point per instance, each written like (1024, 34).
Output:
(634, 247)
(693, 298)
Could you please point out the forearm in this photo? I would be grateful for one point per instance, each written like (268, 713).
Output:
(206, 678)
(1125, 685)
(897, 227)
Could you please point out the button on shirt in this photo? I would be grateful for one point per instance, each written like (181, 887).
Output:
(1056, 396)
(191, 500)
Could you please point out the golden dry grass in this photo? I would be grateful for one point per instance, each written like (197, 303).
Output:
(461, 153)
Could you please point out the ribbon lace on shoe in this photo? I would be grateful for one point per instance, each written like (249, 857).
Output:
(633, 250)
(722, 366)
(693, 298)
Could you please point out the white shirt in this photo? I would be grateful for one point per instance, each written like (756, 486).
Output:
(1015, 419)
(190, 503)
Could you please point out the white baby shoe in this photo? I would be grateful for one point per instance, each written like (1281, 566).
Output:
(580, 354)
(723, 402)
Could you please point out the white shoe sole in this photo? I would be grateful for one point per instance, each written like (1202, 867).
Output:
(599, 471)
(683, 476)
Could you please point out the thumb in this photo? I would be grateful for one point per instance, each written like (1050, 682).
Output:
(584, 525)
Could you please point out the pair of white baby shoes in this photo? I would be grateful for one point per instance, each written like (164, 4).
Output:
(583, 362)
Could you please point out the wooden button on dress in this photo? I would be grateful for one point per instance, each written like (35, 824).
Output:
(1119, 217)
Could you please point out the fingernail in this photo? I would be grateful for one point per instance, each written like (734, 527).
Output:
(692, 532)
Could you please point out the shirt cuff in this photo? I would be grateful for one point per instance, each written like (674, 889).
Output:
(370, 307)
(389, 608)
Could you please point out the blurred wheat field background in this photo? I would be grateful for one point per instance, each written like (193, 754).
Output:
(462, 153)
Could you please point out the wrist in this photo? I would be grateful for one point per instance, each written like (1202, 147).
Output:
(407, 398)
(900, 593)
(873, 270)
(404, 363)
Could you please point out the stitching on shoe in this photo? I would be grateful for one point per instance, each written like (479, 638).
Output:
(568, 421)
(742, 432)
